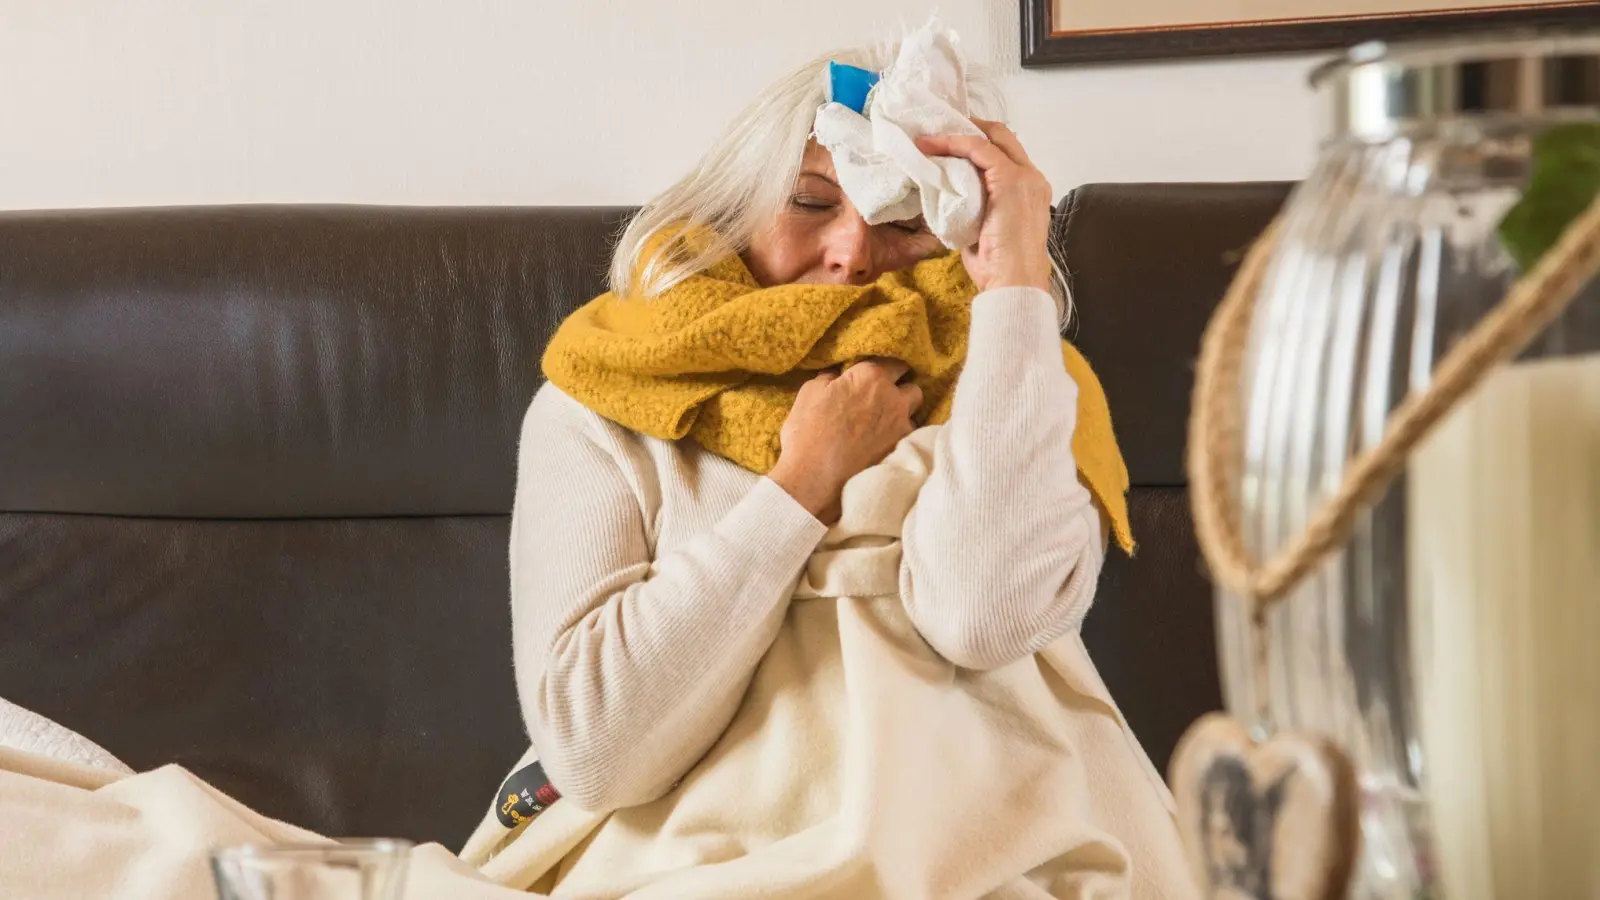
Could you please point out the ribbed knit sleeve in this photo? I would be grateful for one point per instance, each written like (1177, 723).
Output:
(1003, 548)
(630, 664)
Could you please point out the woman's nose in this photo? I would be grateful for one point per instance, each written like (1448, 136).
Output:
(849, 250)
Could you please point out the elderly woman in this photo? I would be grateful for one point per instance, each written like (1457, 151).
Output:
(805, 525)
(651, 576)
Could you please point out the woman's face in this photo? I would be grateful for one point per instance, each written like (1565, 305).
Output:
(819, 238)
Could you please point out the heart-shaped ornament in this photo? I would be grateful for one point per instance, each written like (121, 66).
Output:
(1276, 820)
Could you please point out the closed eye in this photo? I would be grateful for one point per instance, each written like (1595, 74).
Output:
(811, 204)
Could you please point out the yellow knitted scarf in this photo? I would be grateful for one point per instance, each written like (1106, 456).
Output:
(719, 359)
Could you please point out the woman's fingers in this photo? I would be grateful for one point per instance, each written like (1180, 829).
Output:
(979, 151)
(1003, 137)
(913, 397)
(892, 370)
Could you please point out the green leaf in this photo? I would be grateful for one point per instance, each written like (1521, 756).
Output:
(1565, 180)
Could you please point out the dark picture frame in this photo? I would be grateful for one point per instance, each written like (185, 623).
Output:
(1043, 46)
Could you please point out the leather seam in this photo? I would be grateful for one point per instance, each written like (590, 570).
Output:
(1071, 201)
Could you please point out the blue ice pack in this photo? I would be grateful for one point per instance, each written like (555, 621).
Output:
(849, 85)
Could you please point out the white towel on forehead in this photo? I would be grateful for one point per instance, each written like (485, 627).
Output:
(879, 166)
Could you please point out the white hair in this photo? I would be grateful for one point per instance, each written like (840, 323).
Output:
(744, 182)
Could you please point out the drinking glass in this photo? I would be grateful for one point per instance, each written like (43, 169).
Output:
(371, 869)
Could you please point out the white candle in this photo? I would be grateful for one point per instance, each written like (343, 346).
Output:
(1503, 537)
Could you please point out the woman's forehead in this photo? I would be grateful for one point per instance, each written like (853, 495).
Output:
(818, 161)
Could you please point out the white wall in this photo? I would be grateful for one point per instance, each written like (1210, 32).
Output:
(132, 102)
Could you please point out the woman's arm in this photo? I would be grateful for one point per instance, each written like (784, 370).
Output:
(627, 673)
(1003, 548)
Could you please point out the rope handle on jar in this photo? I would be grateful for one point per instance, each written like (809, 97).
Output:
(1215, 423)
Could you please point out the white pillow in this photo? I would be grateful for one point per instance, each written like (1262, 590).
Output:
(21, 729)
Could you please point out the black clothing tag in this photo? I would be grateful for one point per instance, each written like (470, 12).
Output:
(524, 795)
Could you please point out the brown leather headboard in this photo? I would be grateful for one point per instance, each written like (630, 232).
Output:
(1148, 264)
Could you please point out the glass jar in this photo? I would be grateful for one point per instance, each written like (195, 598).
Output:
(1445, 646)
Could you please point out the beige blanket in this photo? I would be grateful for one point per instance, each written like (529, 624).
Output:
(860, 764)
(70, 831)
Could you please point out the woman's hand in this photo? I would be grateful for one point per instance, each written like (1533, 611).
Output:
(840, 425)
(1011, 249)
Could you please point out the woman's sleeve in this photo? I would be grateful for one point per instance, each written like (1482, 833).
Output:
(1004, 546)
(628, 667)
